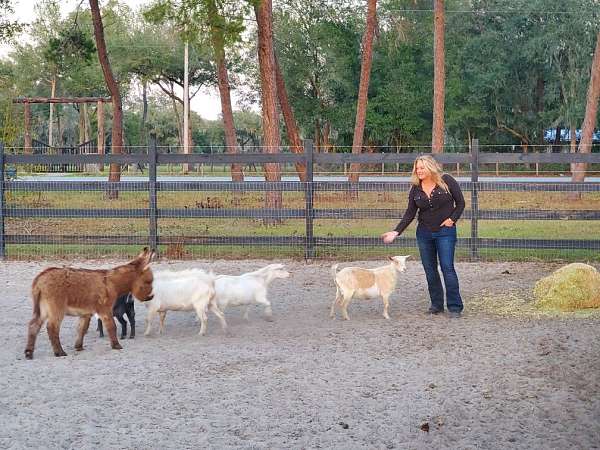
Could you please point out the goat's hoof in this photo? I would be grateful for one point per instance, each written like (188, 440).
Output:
(58, 354)
(116, 346)
(28, 354)
(269, 319)
(132, 337)
(386, 317)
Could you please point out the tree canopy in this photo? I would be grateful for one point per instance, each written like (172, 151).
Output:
(513, 69)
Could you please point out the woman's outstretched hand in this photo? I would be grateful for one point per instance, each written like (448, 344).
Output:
(389, 237)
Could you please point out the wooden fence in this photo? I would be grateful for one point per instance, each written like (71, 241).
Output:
(309, 242)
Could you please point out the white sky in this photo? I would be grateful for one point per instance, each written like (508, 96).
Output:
(206, 103)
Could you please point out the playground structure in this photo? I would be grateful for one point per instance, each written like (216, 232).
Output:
(35, 146)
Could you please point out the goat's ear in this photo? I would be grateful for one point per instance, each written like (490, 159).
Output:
(391, 258)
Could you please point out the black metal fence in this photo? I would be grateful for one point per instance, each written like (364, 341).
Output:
(308, 242)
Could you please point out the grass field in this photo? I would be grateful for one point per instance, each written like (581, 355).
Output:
(331, 228)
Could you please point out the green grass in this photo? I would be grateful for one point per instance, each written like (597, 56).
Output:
(496, 229)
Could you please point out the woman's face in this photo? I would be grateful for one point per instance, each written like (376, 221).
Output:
(421, 171)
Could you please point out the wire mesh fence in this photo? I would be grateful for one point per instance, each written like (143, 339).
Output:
(204, 216)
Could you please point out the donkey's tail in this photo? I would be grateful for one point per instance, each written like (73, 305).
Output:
(36, 295)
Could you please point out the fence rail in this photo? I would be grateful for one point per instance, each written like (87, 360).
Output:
(309, 213)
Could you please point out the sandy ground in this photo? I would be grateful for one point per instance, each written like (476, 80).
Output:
(305, 381)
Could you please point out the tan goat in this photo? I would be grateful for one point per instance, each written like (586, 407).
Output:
(362, 283)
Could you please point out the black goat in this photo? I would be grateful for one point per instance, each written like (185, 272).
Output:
(123, 306)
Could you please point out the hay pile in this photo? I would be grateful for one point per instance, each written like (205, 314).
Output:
(572, 287)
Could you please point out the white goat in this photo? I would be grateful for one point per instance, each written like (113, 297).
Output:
(362, 283)
(249, 288)
(185, 290)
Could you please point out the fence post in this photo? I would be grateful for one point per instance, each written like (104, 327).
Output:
(309, 248)
(153, 231)
(2, 243)
(474, 198)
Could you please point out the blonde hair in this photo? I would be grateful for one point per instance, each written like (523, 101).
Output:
(434, 168)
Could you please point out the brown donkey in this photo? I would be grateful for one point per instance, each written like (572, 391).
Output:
(69, 291)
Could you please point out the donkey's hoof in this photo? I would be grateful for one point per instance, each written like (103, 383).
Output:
(132, 336)
(28, 354)
(58, 354)
(79, 348)
(116, 346)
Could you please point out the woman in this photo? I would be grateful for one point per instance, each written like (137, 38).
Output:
(440, 202)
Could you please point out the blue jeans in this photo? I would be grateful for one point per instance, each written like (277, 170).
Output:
(440, 245)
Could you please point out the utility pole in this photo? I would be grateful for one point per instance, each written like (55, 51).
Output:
(186, 104)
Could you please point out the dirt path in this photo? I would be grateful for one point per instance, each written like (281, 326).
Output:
(304, 381)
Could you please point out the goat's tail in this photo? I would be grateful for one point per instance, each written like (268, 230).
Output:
(334, 272)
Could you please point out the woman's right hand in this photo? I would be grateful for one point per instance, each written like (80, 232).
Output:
(389, 237)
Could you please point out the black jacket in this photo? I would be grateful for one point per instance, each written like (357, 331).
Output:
(435, 209)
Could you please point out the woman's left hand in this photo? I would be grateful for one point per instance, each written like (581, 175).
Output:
(448, 223)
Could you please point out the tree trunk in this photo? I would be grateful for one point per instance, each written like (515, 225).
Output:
(87, 126)
(218, 43)
(51, 118)
(363, 88)
(290, 121)
(178, 120)
(573, 147)
(317, 135)
(113, 88)
(326, 132)
(439, 77)
(100, 115)
(59, 130)
(556, 145)
(266, 61)
(81, 125)
(589, 121)
(539, 106)
(144, 109)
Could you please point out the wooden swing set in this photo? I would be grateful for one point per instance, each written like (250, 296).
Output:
(27, 101)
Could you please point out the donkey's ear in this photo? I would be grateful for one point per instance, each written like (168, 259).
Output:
(143, 253)
(147, 258)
